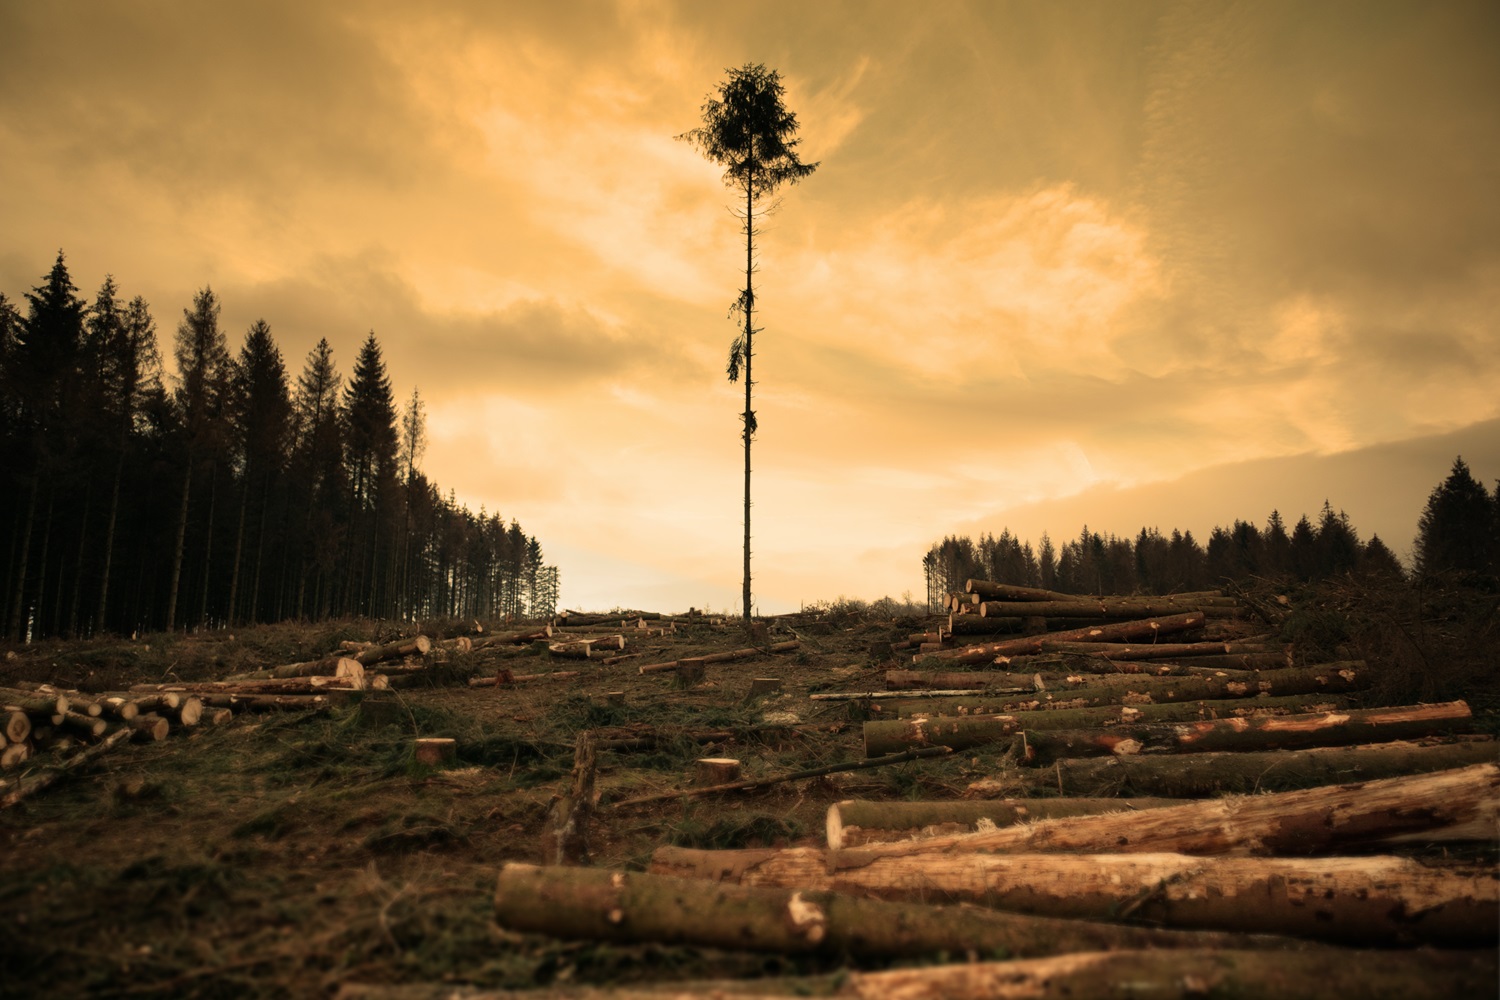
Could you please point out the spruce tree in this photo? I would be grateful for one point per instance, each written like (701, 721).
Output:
(1457, 530)
(748, 130)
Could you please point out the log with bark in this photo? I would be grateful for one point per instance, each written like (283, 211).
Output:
(417, 645)
(17, 726)
(854, 822)
(286, 685)
(521, 638)
(1384, 901)
(988, 590)
(878, 695)
(1262, 732)
(1349, 727)
(723, 657)
(34, 703)
(1203, 775)
(1126, 651)
(812, 772)
(593, 904)
(1328, 678)
(15, 755)
(1146, 628)
(117, 707)
(1313, 821)
(575, 650)
(37, 782)
(715, 770)
(1108, 715)
(1192, 975)
(150, 728)
(1105, 608)
(85, 725)
(265, 702)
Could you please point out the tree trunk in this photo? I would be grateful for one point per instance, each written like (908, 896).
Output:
(1203, 775)
(854, 822)
(33, 702)
(17, 624)
(723, 657)
(1380, 901)
(1131, 631)
(591, 904)
(749, 416)
(1313, 821)
(1192, 975)
(177, 549)
(985, 590)
(418, 645)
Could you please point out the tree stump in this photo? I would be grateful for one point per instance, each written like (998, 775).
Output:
(762, 686)
(690, 671)
(436, 752)
(614, 697)
(716, 771)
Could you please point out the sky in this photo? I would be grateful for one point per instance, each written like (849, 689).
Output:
(1119, 264)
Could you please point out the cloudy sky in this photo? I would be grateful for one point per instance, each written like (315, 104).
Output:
(1134, 263)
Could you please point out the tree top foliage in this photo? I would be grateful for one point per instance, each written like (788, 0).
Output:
(748, 130)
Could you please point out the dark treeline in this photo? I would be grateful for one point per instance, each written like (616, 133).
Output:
(1459, 533)
(228, 493)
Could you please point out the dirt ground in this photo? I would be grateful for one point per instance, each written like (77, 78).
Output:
(284, 854)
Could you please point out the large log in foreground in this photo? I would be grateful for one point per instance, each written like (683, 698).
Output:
(1108, 715)
(598, 905)
(1147, 628)
(1311, 821)
(1192, 975)
(1384, 901)
(1245, 773)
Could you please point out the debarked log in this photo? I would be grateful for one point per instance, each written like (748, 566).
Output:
(1312, 821)
(599, 905)
(1192, 975)
(854, 822)
(1202, 775)
(1384, 901)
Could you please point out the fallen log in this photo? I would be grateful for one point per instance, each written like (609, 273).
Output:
(120, 708)
(286, 685)
(724, 657)
(877, 695)
(342, 667)
(1130, 652)
(812, 772)
(1312, 821)
(1383, 901)
(417, 645)
(592, 904)
(77, 762)
(33, 702)
(1106, 609)
(521, 638)
(988, 590)
(149, 728)
(265, 702)
(855, 822)
(1328, 678)
(1203, 775)
(1050, 678)
(1108, 715)
(1192, 975)
(86, 725)
(575, 650)
(16, 728)
(1147, 628)
(1258, 733)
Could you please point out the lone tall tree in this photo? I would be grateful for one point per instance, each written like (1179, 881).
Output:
(748, 131)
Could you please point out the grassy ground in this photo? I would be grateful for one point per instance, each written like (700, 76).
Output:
(285, 854)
